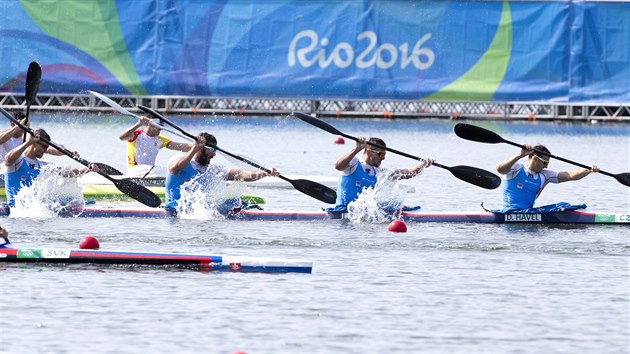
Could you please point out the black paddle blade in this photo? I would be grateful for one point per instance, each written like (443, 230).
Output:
(137, 192)
(107, 169)
(475, 133)
(476, 176)
(33, 77)
(623, 178)
(315, 190)
(317, 122)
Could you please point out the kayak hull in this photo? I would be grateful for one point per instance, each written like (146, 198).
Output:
(562, 217)
(192, 261)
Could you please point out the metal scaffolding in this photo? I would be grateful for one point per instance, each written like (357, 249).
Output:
(330, 108)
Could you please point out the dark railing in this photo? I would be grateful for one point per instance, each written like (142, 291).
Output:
(329, 108)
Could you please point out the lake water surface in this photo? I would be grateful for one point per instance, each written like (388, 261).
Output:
(437, 288)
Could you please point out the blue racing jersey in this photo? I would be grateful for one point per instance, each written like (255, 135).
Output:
(22, 173)
(351, 185)
(522, 187)
(175, 181)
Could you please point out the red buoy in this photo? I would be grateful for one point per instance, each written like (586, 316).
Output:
(397, 226)
(89, 243)
(340, 141)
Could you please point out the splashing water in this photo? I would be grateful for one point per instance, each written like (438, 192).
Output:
(377, 204)
(49, 195)
(208, 197)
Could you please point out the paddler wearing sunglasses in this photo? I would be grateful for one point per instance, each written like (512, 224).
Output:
(523, 183)
(358, 174)
(23, 165)
(183, 168)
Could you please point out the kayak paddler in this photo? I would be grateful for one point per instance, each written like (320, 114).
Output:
(183, 168)
(523, 183)
(358, 174)
(23, 165)
(143, 144)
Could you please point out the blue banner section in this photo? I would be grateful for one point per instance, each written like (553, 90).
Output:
(560, 51)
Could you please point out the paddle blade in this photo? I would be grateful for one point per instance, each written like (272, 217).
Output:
(112, 104)
(476, 176)
(315, 190)
(137, 192)
(475, 133)
(33, 77)
(317, 122)
(623, 178)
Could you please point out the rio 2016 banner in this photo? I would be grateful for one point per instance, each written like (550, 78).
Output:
(544, 51)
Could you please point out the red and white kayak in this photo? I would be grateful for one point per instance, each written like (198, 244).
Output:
(180, 260)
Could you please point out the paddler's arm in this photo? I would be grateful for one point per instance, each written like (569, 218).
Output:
(12, 156)
(76, 171)
(177, 165)
(236, 174)
(178, 146)
(53, 151)
(128, 133)
(574, 175)
(83, 170)
(406, 173)
(7, 134)
(505, 166)
(344, 161)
